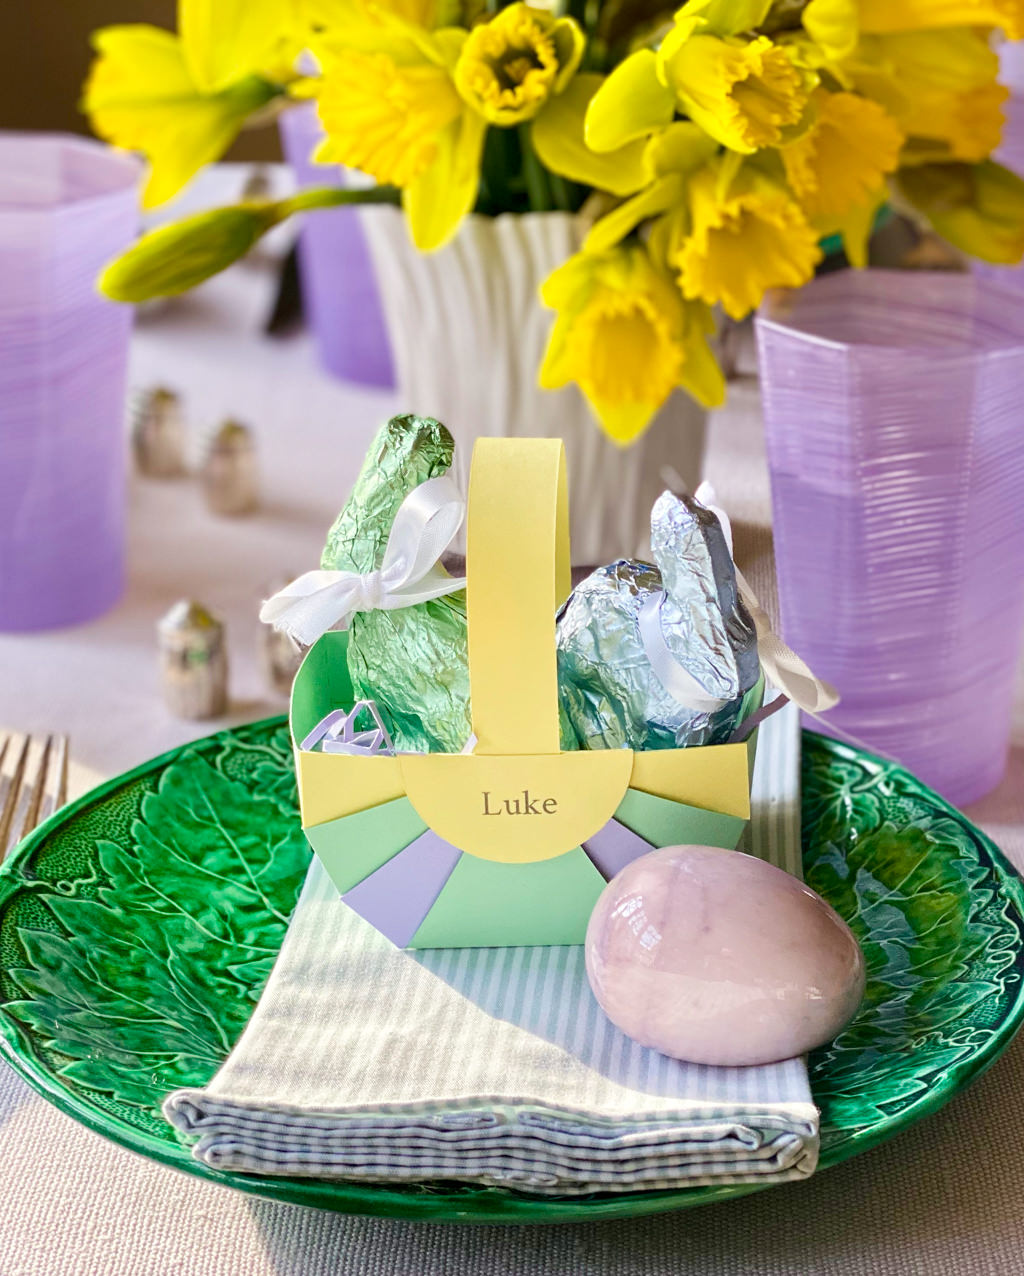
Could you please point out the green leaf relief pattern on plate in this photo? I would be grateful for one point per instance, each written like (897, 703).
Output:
(141, 981)
(137, 929)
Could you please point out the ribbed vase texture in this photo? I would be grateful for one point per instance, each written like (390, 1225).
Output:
(468, 333)
(67, 207)
(892, 404)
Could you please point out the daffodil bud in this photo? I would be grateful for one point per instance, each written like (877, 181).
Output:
(175, 258)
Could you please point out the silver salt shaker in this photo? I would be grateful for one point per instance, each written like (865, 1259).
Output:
(193, 662)
(230, 473)
(158, 434)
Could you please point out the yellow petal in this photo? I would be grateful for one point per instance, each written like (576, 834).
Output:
(384, 118)
(437, 200)
(511, 66)
(622, 221)
(626, 337)
(738, 247)
(680, 148)
(631, 103)
(727, 17)
(702, 376)
(743, 93)
(911, 15)
(140, 96)
(226, 40)
(855, 226)
(570, 45)
(558, 140)
(844, 157)
(832, 25)
(979, 208)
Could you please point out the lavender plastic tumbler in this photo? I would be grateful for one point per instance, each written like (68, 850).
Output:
(339, 287)
(892, 406)
(67, 206)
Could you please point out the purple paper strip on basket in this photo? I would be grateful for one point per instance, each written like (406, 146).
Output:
(892, 406)
(67, 206)
(339, 287)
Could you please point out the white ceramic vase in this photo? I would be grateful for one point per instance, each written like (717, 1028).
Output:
(468, 333)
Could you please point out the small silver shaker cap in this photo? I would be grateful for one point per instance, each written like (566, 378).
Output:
(230, 473)
(193, 662)
(158, 434)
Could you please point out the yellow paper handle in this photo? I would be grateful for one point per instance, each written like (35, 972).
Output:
(517, 566)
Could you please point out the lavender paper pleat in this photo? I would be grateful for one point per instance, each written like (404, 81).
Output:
(339, 287)
(892, 406)
(613, 847)
(67, 206)
(397, 897)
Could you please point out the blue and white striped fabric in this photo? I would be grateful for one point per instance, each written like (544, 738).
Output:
(492, 1066)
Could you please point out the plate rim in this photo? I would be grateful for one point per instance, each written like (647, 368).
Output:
(485, 1205)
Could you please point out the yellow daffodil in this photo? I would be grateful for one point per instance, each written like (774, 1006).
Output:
(979, 208)
(842, 161)
(627, 338)
(558, 139)
(832, 27)
(510, 66)
(739, 242)
(389, 107)
(941, 87)
(669, 159)
(912, 15)
(142, 95)
(744, 92)
(225, 40)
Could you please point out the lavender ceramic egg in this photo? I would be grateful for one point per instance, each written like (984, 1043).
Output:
(717, 957)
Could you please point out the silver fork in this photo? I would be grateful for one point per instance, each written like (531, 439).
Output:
(33, 784)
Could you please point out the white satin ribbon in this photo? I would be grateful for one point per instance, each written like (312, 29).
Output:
(782, 667)
(677, 680)
(424, 527)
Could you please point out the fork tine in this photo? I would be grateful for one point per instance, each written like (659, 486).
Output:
(12, 769)
(33, 784)
(54, 791)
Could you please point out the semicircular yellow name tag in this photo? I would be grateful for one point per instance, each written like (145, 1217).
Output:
(517, 809)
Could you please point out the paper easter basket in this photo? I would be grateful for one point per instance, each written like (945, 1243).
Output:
(512, 843)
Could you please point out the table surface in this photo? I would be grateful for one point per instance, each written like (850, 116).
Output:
(944, 1199)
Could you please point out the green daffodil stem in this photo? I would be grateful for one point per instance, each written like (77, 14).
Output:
(173, 259)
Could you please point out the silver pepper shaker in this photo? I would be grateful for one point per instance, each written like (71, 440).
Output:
(230, 474)
(158, 434)
(280, 654)
(193, 662)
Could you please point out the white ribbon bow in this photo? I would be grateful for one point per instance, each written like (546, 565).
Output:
(782, 667)
(424, 527)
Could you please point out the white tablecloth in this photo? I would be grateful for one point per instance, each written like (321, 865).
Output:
(944, 1199)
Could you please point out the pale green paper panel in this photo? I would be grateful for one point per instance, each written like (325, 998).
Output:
(665, 823)
(486, 904)
(357, 845)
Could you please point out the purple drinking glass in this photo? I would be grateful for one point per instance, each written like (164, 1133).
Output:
(67, 206)
(339, 288)
(892, 405)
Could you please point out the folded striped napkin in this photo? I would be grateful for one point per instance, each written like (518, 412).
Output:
(491, 1066)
